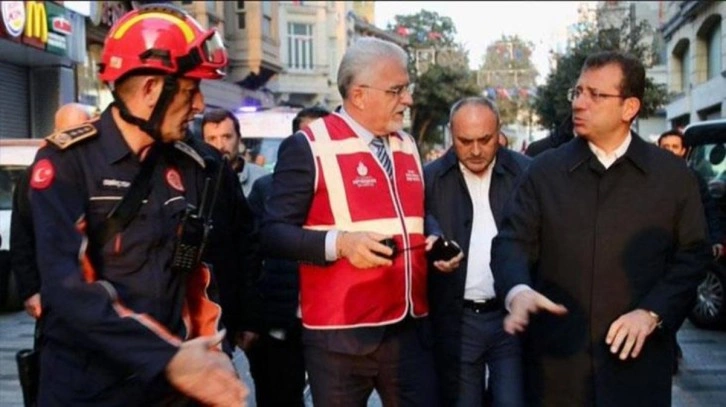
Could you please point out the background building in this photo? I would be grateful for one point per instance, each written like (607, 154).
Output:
(313, 39)
(694, 38)
(611, 17)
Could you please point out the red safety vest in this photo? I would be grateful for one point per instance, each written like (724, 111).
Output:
(352, 194)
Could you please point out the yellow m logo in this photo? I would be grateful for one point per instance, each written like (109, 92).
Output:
(36, 25)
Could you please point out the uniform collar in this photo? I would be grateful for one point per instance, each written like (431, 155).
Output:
(114, 145)
(637, 153)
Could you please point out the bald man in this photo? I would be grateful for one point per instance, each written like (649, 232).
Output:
(22, 251)
(69, 115)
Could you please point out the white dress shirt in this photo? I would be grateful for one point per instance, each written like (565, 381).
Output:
(608, 159)
(479, 280)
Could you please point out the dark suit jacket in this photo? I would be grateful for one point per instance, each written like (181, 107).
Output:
(602, 243)
(282, 236)
(449, 205)
(278, 285)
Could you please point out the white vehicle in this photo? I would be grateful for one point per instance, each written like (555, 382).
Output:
(263, 132)
(15, 156)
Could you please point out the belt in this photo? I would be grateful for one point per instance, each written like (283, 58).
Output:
(481, 307)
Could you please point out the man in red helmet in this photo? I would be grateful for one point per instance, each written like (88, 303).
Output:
(117, 205)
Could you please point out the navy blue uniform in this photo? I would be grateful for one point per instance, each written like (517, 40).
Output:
(114, 313)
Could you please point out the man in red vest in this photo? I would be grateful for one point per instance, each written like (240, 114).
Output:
(342, 186)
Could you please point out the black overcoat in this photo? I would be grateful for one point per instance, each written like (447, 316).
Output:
(449, 212)
(602, 243)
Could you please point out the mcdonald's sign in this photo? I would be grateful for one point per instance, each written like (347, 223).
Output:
(36, 24)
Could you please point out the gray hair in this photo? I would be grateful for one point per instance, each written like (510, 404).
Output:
(362, 56)
(474, 100)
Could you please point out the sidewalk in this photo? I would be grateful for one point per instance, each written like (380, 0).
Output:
(700, 383)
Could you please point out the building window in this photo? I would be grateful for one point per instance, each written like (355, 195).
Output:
(300, 46)
(240, 10)
(681, 74)
(714, 51)
(187, 2)
(267, 18)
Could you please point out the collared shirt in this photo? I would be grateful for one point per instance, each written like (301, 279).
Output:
(479, 280)
(367, 136)
(608, 159)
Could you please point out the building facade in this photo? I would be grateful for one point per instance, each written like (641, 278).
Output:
(611, 18)
(252, 39)
(696, 55)
(41, 43)
(313, 40)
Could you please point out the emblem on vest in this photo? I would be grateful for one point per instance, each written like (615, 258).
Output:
(363, 180)
(412, 176)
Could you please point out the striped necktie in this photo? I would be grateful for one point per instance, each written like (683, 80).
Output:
(382, 155)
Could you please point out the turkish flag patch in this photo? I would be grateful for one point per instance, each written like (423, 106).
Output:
(43, 174)
(174, 179)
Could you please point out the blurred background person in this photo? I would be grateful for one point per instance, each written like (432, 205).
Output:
(673, 141)
(276, 357)
(220, 128)
(21, 222)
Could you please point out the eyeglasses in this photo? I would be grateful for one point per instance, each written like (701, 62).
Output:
(397, 91)
(592, 94)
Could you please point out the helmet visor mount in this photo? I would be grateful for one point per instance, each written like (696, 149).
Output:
(206, 55)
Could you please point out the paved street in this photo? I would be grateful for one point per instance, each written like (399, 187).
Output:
(701, 383)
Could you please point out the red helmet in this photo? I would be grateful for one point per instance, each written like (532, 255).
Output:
(165, 39)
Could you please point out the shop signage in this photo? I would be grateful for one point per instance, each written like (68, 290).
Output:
(61, 25)
(36, 25)
(13, 18)
(60, 28)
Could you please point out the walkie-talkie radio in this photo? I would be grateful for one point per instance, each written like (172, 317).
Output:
(193, 231)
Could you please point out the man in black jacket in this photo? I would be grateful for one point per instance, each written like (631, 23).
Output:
(466, 190)
(276, 357)
(601, 250)
(672, 140)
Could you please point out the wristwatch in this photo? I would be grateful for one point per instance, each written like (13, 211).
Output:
(658, 320)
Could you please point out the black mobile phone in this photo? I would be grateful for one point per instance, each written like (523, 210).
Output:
(392, 244)
(443, 249)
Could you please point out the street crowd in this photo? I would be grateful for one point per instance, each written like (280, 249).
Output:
(485, 277)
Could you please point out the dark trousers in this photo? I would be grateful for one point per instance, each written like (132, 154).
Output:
(278, 369)
(484, 343)
(400, 369)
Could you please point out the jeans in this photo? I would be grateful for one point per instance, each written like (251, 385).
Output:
(485, 344)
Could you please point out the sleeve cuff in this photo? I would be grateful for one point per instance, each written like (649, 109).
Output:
(513, 292)
(330, 250)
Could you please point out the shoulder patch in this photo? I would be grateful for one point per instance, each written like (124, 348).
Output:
(67, 137)
(189, 151)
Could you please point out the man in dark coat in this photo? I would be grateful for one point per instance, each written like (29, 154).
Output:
(466, 191)
(606, 239)
(672, 140)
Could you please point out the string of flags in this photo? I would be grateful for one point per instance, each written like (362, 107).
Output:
(501, 92)
(421, 36)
